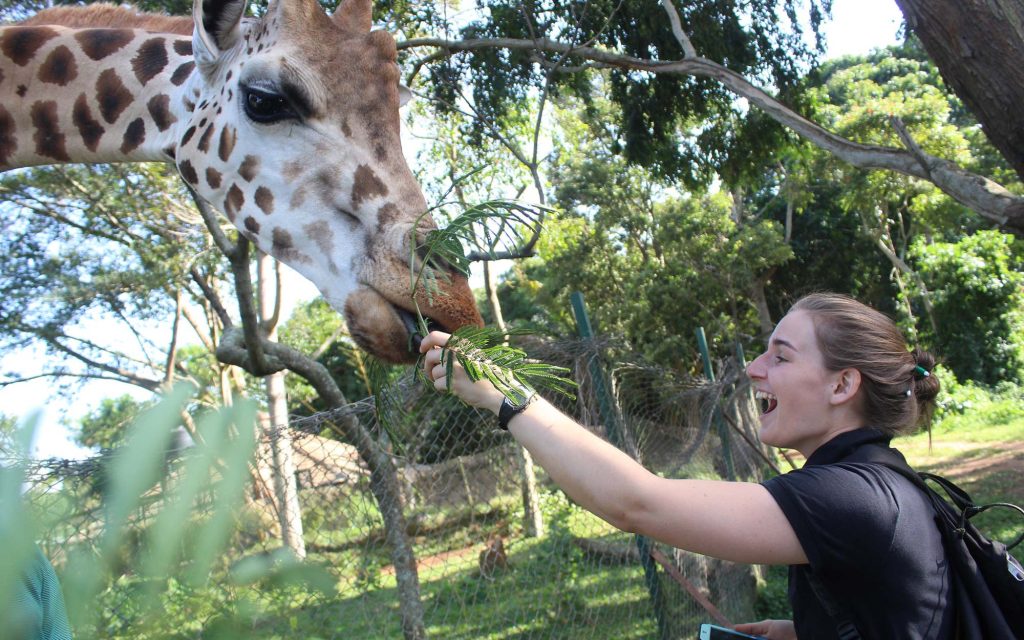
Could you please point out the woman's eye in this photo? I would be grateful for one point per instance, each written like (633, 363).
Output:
(779, 359)
(265, 106)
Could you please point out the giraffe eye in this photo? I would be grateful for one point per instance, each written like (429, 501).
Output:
(265, 106)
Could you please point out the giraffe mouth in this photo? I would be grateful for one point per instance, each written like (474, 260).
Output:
(414, 330)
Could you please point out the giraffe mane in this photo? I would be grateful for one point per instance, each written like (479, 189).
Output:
(108, 15)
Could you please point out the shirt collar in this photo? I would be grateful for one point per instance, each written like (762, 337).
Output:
(845, 443)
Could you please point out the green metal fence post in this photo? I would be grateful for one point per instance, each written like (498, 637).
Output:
(723, 430)
(615, 436)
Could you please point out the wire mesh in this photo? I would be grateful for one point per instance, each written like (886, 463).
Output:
(493, 557)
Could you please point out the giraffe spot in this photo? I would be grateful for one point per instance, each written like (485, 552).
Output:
(284, 249)
(59, 67)
(251, 224)
(228, 137)
(233, 203)
(150, 60)
(100, 43)
(182, 73)
(387, 216)
(366, 185)
(134, 135)
(20, 44)
(188, 172)
(298, 197)
(8, 142)
(22, 90)
(88, 127)
(250, 166)
(189, 105)
(159, 107)
(265, 200)
(48, 137)
(282, 240)
(204, 140)
(231, 94)
(213, 178)
(112, 96)
(347, 130)
(183, 47)
(170, 152)
(292, 170)
(188, 136)
(320, 233)
(228, 76)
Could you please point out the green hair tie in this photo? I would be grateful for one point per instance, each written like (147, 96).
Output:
(921, 371)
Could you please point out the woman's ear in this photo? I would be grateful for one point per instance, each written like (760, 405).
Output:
(845, 386)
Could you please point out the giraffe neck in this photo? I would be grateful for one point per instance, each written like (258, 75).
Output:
(93, 94)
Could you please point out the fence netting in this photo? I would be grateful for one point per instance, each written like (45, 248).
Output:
(489, 547)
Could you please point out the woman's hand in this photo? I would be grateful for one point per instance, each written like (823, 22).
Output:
(771, 629)
(481, 393)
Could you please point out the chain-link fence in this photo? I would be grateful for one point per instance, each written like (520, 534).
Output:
(488, 547)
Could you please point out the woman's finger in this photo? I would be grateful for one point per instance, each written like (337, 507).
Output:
(434, 339)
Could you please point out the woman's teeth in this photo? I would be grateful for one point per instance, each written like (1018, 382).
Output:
(768, 401)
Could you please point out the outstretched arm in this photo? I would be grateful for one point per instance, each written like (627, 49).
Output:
(737, 521)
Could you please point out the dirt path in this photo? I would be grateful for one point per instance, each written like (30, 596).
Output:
(973, 461)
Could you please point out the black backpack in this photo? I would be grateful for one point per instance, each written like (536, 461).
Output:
(988, 582)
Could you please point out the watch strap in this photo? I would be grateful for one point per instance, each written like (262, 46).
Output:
(510, 410)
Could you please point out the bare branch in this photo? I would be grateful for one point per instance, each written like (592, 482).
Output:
(677, 30)
(173, 347)
(212, 297)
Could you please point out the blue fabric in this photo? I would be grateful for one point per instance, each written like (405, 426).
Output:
(38, 612)
(871, 538)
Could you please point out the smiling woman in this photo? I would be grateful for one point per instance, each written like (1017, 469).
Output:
(837, 380)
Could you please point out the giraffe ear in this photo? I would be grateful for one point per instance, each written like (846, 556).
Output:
(216, 27)
(404, 95)
(355, 16)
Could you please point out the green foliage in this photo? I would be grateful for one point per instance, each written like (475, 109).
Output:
(763, 39)
(977, 296)
(687, 265)
(8, 428)
(165, 590)
(106, 425)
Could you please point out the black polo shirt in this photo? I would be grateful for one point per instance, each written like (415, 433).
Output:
(871, 538)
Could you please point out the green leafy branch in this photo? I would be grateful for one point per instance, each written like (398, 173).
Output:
(500, 222)
(484, 354)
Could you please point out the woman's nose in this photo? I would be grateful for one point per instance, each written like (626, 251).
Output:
(756, 368)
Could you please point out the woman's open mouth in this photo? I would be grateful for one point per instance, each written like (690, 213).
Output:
(768, 401)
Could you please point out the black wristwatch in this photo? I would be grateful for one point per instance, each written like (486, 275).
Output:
(510, 410)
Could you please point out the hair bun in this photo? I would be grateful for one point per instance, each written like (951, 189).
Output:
(926, 387)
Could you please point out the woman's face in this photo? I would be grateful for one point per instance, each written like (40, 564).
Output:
(795, 390)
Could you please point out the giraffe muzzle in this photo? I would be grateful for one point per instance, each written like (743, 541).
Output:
(415, 331)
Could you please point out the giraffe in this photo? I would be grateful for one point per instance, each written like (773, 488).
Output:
(289, 124)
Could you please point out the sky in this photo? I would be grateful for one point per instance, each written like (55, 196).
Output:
(858, 26)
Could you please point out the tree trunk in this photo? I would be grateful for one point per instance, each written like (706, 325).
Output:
(978, 45)
(533, 520)
(286, 491)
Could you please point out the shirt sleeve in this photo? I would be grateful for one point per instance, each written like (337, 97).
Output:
(844, 515)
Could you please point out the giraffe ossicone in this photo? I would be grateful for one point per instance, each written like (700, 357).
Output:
(288, 123)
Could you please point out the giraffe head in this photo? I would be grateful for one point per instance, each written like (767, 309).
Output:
(293, 132)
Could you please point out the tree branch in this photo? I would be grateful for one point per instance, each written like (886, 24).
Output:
(677, 30)
(985, 197)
